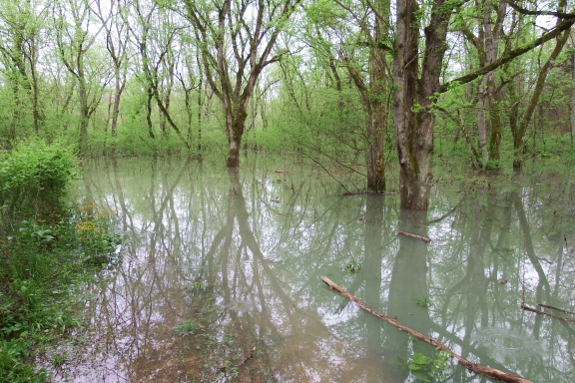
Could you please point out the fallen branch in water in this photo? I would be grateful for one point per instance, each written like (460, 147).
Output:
(476, 368)
(527, 308)
(556, 308)
(424, 239)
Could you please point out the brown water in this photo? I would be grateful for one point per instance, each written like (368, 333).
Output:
(242, 258)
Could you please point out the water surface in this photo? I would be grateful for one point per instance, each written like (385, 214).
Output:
(242, 256)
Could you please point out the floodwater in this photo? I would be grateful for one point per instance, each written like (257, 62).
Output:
(236, 261)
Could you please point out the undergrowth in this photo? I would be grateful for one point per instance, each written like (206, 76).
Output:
(46, 248)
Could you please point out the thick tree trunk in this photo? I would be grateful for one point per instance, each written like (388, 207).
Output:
(235, 132)
(120, 84)
(496, 129)
(375, 159)
(487, 87)
(491, 49)
(413, 184)
(374, 154)
(413, 97)
(481, 120)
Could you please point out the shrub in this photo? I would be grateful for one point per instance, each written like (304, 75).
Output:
(34, 179)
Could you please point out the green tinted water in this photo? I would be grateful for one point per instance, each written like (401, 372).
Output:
(239, 260)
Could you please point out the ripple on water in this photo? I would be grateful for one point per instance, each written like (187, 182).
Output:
(505, 342)
(501, 338)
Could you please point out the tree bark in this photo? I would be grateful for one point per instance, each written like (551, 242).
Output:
(375, 159)
(572, 130)
(413, 96)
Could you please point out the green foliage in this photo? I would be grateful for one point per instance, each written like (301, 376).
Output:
(43, 251)
(422, 302)
(35, 178)
(187, 327)
(353, 265)
(96, 234)
(38, 264)
(423, 367)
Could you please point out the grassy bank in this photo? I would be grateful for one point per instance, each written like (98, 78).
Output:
(47, 246)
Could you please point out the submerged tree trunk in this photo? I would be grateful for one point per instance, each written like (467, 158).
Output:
(377, 87)
(413, 96)
(235, 126)
(496, 128)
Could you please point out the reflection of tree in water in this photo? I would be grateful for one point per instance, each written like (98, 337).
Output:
(253, 289)
(407, 292)
(242, 255)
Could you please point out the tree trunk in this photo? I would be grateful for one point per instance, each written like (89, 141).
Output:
(120, 84)
(413, 97)
(413, 192)
(375, 160)
(496, 129)
(374, 154)
(149, 112)
(235, 132)
(487, 87)
(481, 120)
(519, 136)
(200, 120)
(573, 104)
(35, 92)
(84, 117)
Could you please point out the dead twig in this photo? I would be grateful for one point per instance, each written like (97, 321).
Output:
(476, 368)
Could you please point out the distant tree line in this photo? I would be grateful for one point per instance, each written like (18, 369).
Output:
(350, 81)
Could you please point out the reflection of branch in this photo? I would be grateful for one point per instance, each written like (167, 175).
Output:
(556, 308)
(327, 171)
(478, 369)
(527, 308)
(528, 242)
(250, 356)
(424, 239)
(448, 213)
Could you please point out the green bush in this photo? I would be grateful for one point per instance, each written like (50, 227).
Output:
(34, 179)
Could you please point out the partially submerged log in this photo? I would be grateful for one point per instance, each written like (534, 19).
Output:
(424, 239)
(476, 368)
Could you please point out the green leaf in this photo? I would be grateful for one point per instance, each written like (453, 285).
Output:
(421, 359)
(416, 366)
